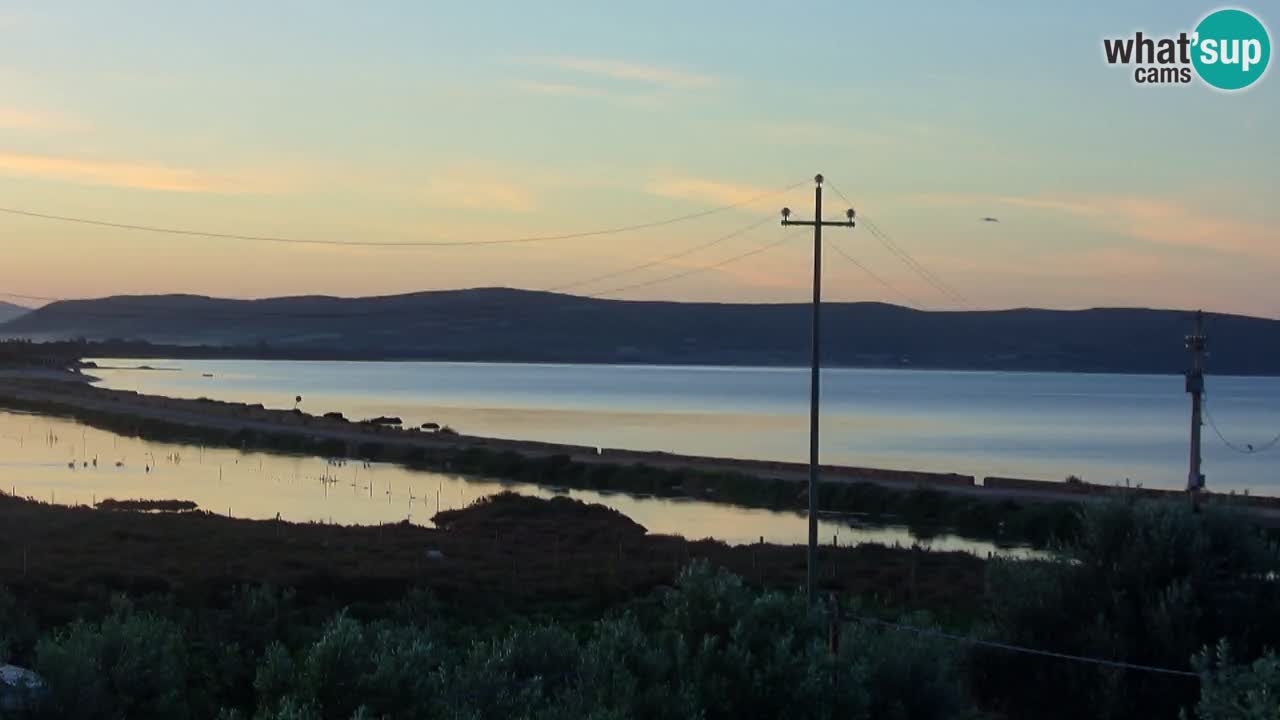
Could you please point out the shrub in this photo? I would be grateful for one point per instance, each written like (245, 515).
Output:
(513, 676)
(385, 670)
(1237, 692)
(132, 665)
(908, 676)
(742, 654)
(1143, 581)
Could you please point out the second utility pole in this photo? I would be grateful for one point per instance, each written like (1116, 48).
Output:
(1195, 385)
(811, 572)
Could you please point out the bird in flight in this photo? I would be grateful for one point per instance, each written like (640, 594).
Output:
(990, 219)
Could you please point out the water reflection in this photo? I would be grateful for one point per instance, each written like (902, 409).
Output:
(1103, 428)
(62, 461)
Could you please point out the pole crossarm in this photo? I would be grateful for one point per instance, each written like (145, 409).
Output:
(823, 223)
(817, 223)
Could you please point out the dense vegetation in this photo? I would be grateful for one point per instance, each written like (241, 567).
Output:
(710, 647)
(1143, 582)
(1152, 583)
(23, 353)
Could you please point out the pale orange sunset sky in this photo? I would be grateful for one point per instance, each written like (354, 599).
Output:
(404, 121)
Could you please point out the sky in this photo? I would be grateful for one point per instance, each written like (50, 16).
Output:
(446, 121)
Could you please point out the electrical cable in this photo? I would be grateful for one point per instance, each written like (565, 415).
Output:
(663, 260)
(693, 271)
(1246, 449)
(1024, 650)
(388, 244)
(906, 298)
(918, 268)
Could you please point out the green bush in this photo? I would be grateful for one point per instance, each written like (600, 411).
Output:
(276, 678)
(1144, 582)
(333, 667)
(384, 670)
(513, 676)
(132, 665)
(908, 676)
(624, 671)
(745, 654)
(711, 647)
(1237, 692)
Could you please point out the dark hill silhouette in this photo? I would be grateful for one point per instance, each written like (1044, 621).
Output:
(516, 325)
(9, 311)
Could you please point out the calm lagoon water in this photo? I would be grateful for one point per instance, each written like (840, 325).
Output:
(1103, 428)
(62, 461)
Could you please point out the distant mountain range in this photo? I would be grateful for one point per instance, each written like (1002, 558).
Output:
(9, 311)
(498, 324)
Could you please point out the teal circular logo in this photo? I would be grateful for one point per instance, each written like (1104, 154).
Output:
(1232, 49)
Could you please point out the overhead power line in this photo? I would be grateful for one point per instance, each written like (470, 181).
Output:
(37, 298)
(1243, 449)
(914, 265)
(693, 271)
(586, 281)
(925, 273)
(202, 313)
(390, 244)
(906, 298)
(1025, 650)
(662, 260)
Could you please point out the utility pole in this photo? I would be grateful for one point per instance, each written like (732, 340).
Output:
(815, 364)
(1195, 385)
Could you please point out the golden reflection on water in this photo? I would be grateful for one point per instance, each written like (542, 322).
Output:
(62, 461)
(674, 428)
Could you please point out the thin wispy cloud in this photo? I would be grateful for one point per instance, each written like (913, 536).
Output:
(1153, 219)
(1159, 220)
(479, 194)
(658, 75)
(591, 93)
(123, 174)
(825, 135)
(715, 192)
(1062, 204)
(19, 119)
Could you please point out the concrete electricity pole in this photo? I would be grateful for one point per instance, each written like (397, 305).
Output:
(1195, 385)
(815, 364)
